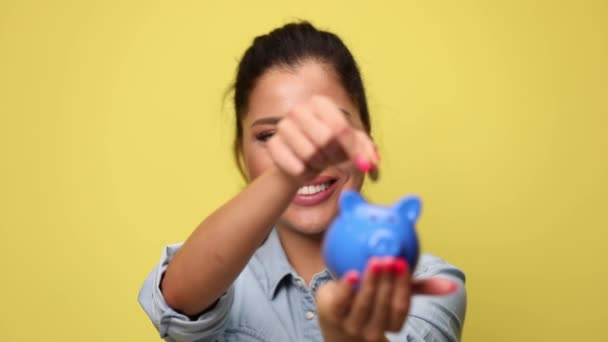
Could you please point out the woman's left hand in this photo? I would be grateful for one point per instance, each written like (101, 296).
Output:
(380, 304)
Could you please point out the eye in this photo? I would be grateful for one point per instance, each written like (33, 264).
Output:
(264, 136)
(373, 218)
(391, 219)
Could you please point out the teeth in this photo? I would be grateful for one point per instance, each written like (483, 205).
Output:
(313, 189)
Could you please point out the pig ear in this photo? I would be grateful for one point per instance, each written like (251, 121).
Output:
(409, 208)
(350, 199)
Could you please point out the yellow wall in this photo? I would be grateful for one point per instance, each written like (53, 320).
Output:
(114, 142)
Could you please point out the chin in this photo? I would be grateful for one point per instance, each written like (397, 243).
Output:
(308, 221)
(316, 203)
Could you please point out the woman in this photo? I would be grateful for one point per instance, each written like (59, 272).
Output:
(252, 270)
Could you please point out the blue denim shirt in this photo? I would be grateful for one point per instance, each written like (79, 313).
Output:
(270, 302)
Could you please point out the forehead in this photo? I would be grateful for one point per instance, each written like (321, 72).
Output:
(279, 89)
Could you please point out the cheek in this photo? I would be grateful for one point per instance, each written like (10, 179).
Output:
(355, 176)
(357, 180)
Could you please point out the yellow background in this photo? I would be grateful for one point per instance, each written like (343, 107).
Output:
(114, 140)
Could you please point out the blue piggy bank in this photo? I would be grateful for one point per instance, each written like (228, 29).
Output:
(363, 230)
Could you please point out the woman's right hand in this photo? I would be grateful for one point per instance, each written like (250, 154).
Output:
(316, 135)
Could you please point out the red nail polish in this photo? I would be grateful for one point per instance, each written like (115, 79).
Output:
(375, 266)
(453, 287)
(401, 266)
(389, 264)
(363, 164)
(352, 277)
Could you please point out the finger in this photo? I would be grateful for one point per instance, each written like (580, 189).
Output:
(300, 144)
(317, 131)
(363, 302)
(326, 112)
(380, 318)
(284, 157)
(369, 146)
(345, 293)
(335, 297)
(356, 147)
(319, 134)
(334, 153)
(325, 302)
(372, 151)
(376, 151)
(434, 286)
(401, 295)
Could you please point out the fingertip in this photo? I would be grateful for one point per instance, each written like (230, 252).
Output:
(401, 266)
(375, 265)
(436, 286)
(446, 287)
(389, 264)
(363, 164)
(453, 287)
(352, 277)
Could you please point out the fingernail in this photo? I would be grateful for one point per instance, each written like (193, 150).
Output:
(389, 264)
(363, 164)
(375, 266)
(352, 277)
(401, 266)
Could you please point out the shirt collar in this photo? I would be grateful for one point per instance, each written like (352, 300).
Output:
(274, 262)
(276, 267)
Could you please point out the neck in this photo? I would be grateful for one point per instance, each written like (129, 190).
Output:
(303, 252)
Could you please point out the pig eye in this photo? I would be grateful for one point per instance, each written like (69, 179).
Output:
(391, 219)
(373, 218)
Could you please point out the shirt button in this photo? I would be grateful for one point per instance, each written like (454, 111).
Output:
(310, 315)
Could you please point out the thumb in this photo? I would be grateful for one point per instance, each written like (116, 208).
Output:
(434, 286)
(334, 298)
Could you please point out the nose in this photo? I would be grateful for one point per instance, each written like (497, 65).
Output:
(383, 242)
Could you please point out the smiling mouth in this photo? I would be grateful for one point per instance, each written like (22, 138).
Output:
(310, 190)
(317, 192)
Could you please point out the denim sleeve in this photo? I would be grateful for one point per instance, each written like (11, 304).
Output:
(174, 326)
(435, 318)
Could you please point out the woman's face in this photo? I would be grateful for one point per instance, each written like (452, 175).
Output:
(276, 93)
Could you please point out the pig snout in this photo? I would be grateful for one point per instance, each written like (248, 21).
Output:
(383, 243)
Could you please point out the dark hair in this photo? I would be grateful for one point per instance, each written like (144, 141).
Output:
(288, 46)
